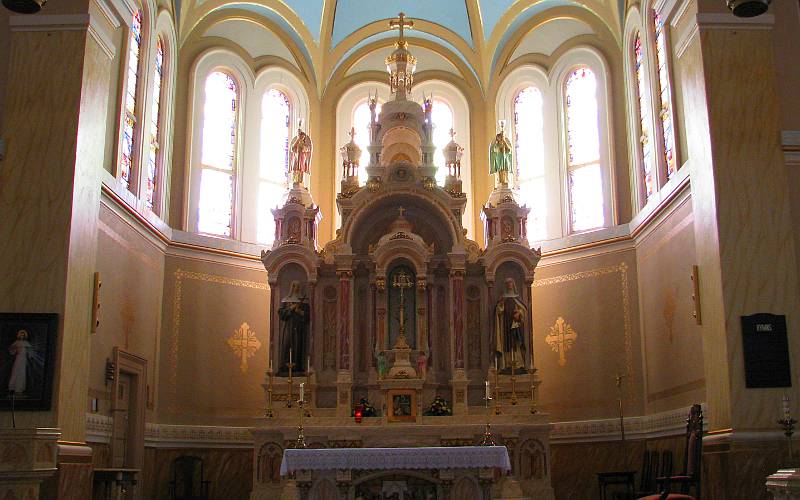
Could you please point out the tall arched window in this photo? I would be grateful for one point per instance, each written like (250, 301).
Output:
(442, 116)
(274, 159)
(643, 105)
(153, 158)
(218, 154)
(129, 120)
(529, 150)
(584, 173)
(665, 96)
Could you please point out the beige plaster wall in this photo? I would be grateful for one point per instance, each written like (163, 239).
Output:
(202, 379)
(596, 297)
(671, 339)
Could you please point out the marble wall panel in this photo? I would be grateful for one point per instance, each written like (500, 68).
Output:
(589, 308)
(131, 270)
(669, 331)
(204, 378)
(230, 472)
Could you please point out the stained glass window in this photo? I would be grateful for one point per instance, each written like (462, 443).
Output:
(274, 164)
(129, 120)
(585, 176)
(361, 118)
(218, 152)
(643, 103)
(153, 161)
(442, 117)
(529, 150)
(665, 96)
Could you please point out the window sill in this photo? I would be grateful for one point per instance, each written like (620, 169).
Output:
(580, 240)
(218, 243)
(114, 188)
(661, 199)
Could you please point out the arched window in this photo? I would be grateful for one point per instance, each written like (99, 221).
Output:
(361, 118)
(442, 116)
(129, 127)
(665, 96)
(529, 151)
(274, 159)
(584, 172)
(218, 155)
(153, 158)
(643, 105)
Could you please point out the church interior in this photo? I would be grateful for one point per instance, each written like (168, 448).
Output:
(342, 249)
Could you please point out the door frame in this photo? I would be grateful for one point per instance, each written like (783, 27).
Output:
(136, 368)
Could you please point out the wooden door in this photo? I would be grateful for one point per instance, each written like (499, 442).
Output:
(122, 421)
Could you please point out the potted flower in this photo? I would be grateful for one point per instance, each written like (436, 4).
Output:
(439, 408)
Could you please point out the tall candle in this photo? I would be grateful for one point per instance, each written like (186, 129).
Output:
(270, 364)
(785, 406)
(488, 393)
(290, 355)
(308, 364)
(302, 391)
(495, 364)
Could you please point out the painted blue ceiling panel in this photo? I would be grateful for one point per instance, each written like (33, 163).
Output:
(524, 16)
(491, 11)
(310, 11)
(393, 34)
(353, 14)
(277, 19)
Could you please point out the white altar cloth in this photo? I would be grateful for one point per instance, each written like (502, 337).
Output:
(459, 457)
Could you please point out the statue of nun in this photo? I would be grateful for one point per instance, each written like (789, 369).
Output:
(294, 314)
(510, 317)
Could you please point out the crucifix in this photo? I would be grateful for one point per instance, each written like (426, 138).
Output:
(401, 22)
(402, 281)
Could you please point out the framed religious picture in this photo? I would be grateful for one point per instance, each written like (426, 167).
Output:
(27, 359)
(402, 405)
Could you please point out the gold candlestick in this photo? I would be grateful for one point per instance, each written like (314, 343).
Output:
(301, 439)
(534, 388)
(487, 434)
(513, 378)
(496, 392)
(269, 412)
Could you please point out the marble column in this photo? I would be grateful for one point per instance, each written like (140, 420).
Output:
(743, 229)
(344, 380)
(55, 116)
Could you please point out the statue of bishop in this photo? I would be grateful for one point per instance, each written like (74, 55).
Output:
(500, 157)
(300, 151)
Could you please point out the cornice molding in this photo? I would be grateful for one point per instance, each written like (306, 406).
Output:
(727, 21)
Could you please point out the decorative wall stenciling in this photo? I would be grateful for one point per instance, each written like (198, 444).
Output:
(244, 344)
(561, 339)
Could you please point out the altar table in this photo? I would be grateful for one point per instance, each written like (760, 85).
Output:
(462, 457)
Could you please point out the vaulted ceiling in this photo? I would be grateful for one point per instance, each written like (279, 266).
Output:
(325, 38)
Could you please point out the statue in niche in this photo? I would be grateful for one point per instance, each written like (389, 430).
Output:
(422, 364)
(300, 152)
(382, 366)
(295, 315)
(510, 316)
(500, 158)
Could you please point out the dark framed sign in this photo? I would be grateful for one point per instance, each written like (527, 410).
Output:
(766, 351)
(27, 359)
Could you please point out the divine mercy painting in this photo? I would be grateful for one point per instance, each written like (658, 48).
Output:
(27, 356)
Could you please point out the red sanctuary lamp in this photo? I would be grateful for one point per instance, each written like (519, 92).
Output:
(359, 413)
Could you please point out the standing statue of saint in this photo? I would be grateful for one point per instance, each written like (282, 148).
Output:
(300, 151)
(500, 157)
(295, 315)
(510, 317)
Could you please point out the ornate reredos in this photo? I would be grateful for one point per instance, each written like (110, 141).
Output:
(402, 173)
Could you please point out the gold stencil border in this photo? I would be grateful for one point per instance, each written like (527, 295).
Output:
(174, 345)
(622, 269)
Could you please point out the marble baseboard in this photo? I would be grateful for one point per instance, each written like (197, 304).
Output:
(229, 471)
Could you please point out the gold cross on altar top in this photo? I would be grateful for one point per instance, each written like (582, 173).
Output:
(401, 22)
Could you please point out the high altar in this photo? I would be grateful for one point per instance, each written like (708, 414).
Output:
(399, 309)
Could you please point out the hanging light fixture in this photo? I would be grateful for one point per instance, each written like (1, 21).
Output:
(747, 8)
(24, 6)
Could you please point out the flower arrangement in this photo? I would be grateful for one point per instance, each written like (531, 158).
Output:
(439, 408)
(367, 410)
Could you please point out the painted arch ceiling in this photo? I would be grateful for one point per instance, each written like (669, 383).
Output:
(325, 36)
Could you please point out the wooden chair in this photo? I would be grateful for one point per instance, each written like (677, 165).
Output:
(690, 479)
(188, 482)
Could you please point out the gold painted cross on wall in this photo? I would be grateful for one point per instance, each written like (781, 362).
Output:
(560, 339)
(244, 344)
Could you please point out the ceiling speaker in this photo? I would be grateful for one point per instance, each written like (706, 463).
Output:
(747, 8)
(24, 6)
